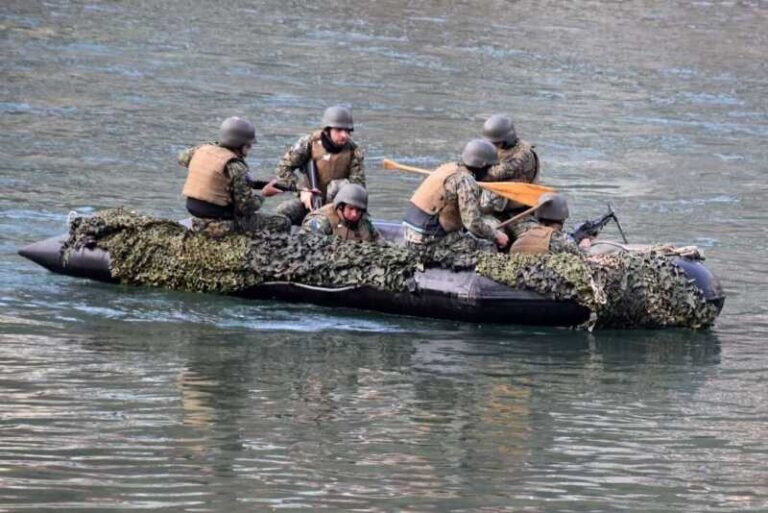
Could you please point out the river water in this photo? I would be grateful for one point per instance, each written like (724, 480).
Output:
(121, 398)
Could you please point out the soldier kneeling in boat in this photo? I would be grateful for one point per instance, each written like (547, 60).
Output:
(545, 234)
(330, 154)
(346, 218)
(518, 162)
(448, 200)
(218, 189)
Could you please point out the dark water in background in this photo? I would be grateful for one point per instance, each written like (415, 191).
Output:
(117, 398)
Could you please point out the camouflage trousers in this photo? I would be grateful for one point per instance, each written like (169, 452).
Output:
(460, 242)
(217, 228)
(294, 210)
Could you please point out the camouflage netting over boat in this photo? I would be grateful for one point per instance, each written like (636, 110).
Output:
(622, 290)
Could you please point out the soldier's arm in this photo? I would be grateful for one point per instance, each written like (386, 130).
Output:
(357, 167)
(244, 200)
(185, 156)
(296, 157)
(469, 207)
(519, 169)
(317, 223)
(562, 243)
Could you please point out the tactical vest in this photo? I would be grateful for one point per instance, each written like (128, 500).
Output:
(207, 180)
(341, 230)
(533, 242)
(330, 166)
(430, 197)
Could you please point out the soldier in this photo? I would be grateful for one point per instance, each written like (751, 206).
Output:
(346, 217)
(546, 235)
(518, 162)
(335, 157)
(218, 190)
(448, 200)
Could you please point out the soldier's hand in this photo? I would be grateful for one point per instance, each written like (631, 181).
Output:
(586, 243)
(306, 199)
(270, 189)
(502, 240)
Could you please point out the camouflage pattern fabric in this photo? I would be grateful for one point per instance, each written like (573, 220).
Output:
(517, 164)
(300, 153)
(461, 187)
(631, 289)
(627, 290)
(319, 223)
(294, 210)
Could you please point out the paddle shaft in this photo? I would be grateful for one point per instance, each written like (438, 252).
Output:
(519, 216)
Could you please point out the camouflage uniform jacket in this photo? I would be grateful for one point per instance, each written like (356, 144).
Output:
(462, 188)
(517, 164)
(300, 153)
(244, 200)
(319, 222)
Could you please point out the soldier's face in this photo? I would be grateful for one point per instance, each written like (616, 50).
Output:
(246, 149)
(340, 136)
(351, 214)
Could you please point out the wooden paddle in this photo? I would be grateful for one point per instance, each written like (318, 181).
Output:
(521, 192)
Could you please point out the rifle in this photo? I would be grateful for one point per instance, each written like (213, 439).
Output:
(260, 184)
(591, 228)
(314, 183)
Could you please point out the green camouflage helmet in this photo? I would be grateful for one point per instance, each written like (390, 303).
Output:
(338, 116)
(479, 154)
(498, 129)
(236, 132)
(552, 207)
(352, 194)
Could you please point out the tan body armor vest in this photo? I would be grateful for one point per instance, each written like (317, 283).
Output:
(533, 242)
(330, 166)
(341, 230)
(431, 198)
(207, 180)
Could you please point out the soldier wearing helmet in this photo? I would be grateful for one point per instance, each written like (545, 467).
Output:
(545, 235)
(335, 156)
(346, 218)
(448, 200)
(218, 190)
(518, 162)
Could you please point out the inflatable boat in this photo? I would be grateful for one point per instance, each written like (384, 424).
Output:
(434, 292)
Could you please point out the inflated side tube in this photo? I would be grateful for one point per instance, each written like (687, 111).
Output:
(438, 293)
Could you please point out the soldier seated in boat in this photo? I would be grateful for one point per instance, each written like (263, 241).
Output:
(518, 162)
(218, 189)
(346, 217)
(448, 201)
(545, 233)
(334, 156)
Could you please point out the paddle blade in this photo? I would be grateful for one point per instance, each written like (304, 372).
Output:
(525, 193)
(389, 164)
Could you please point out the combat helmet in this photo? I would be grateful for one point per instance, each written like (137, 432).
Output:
(352, 194)
(479, 154)
(236, 132)
(338, 116)
(552, 207)
(498, 129)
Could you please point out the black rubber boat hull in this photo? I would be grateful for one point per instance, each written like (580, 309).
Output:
(436, 293)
